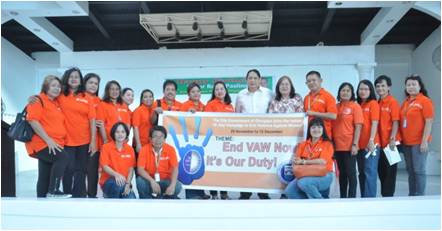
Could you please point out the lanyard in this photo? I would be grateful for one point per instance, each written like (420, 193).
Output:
(157, 159)
(409, 107)
(310, 151)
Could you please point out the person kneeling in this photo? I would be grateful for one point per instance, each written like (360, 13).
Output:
(316, 152)
(117, 160)
(157, 168)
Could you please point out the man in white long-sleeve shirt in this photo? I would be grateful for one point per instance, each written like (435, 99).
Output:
(253, 99)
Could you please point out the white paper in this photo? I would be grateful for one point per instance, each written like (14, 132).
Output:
(393, 157)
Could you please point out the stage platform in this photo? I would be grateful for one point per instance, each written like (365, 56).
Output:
(376, 213)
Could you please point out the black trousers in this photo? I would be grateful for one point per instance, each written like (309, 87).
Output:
(347, 174)
(74, 181)
(387, 176)
(92, 175)
(50, 171)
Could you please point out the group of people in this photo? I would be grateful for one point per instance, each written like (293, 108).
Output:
(81, 138)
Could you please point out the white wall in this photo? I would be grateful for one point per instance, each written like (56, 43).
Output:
(422, 65)
(18, 82)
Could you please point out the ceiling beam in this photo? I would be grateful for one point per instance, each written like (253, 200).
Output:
(145, 8)
(327, 21)
(430, 8)
(47, 32)
(383, 22)
(99, 25)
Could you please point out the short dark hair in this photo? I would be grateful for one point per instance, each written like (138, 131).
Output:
(313, 73)
(126, 89)
(65, 81)
(158, 128)
(421, 84)
(142, 93)
(192, 85)
(168, 82)
(90, 76)
(253, 70)
(227, 99)
(114, 129)
(278, 93)
(372, 95)
(353, 97)
(106, 96)
(383, 77)
(319, 122)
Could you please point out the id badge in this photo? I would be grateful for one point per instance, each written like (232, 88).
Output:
(404, 124)
(157, 177)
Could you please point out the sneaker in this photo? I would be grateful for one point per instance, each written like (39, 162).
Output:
(225, 197)
(215, 197)
(58, 194)
(205, 197)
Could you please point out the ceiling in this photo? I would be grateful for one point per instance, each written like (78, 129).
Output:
(115, 26)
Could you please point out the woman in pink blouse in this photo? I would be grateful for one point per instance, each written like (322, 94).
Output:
(286, 100)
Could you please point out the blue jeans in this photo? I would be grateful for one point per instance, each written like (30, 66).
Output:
(368, 172)
(112, 190)
(416, 163)
(145, 190)
(315, 187)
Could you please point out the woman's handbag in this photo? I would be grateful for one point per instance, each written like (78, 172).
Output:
(21, 130)
(301, 171)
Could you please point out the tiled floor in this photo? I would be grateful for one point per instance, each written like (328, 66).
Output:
(26, 182)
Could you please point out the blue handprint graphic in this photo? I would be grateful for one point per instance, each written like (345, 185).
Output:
(191, 165)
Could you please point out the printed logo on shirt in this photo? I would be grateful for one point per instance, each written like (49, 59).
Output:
(164, 158)
(387, 109)
(125, 155)
(346, 111)
(367, 109)
(320, 101)
(121, 109)
(418, 105)
(81, 100)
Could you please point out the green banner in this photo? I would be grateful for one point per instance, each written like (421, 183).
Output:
(234, 85)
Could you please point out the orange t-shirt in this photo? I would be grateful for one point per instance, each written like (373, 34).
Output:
(320, 150)
(79, 111)
(370, 110)
(414, 112)
(168, 161)
(322, 102)
(174, 107)
(216, 105)
(186, 106)
(51, 118)
(111, 113)
(96, 100)
(141, 120)
(390, 112)
(349, 114)
(119, 161)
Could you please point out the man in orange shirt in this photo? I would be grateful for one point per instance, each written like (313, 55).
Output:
(319, 102)
(168, 102)
(157, 168)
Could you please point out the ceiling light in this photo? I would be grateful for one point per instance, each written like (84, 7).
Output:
(338, 3)
(55, 43)
(13, 13)
(390, 20)
(220, 23)
(36, 30)
(195, 24)
(244, 23)
(169, 25)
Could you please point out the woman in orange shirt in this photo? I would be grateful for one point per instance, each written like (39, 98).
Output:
(112, 110)
(346, 131)
(79, 110)
(194, 103)
(388, 133)
(141, 120)
(47, 121)
(219, 102)
(417, 115)
(368, 156)
(316, 150)
(118, 161)
(92, 85)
